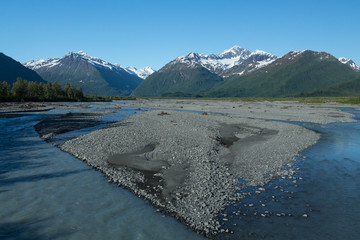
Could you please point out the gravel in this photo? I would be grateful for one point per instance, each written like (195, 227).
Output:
(278, 110)
(189, 164)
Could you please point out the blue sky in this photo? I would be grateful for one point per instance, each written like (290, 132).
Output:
(151, 33)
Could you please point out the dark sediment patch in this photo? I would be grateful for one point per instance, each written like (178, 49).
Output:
(242, 134)
(137, 160)
(54, 125)
(159, 176)
(174, 177)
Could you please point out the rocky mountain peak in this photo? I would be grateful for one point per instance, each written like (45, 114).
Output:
(350, 62)
(235, 51)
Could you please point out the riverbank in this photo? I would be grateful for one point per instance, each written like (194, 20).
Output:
(16, 107)
(21, 107)
(189, 164)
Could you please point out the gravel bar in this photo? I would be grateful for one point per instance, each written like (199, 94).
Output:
(189, 164)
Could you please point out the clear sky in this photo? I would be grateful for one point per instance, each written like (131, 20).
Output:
(151, 33)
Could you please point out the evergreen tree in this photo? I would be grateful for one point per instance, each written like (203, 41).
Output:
(49, 92)
(23, 90)
(41, 90)
(33, 91)
(58, 92)
(70, 91)
(4, 90)
(79, 93)
(19, 89)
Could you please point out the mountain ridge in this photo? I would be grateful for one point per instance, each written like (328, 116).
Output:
(219, 63)
(92, 74)
(10, 70)
(294, 73)
(233, 72)
(248, 74)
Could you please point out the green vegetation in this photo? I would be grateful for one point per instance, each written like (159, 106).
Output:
(23, 90)
(4, 90)
(178, 80)
(287, 77)
(348, 88)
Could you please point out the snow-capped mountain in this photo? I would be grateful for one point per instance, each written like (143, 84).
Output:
(93, 74)
(242, 73)
(36, 64)
(219, 63)
(142, 73)
(255, 60)
(350, 63)
(52, 62)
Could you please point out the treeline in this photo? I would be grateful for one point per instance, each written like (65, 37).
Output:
(23, 90)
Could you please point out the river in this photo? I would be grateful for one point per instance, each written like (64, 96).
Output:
(48, 194)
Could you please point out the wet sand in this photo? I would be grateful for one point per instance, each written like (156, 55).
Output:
(53, 125)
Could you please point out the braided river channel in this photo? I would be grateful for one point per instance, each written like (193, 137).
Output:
(48, 194)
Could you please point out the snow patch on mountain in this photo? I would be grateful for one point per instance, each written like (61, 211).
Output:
(261, 59)
(142, 73)
(256, 60)
(350, 62)
(47, 63)
(294, 54)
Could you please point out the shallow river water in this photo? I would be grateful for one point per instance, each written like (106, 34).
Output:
(48, 194)
(321, 201)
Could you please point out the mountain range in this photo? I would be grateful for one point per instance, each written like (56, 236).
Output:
(93, 75)
(237, 72)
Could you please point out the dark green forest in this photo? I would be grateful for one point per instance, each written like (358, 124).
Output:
(23, 90)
